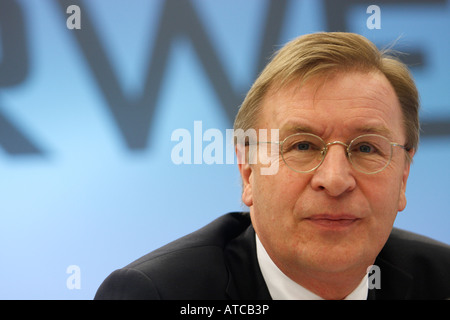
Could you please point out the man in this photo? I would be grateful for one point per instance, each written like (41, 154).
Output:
(347, 122)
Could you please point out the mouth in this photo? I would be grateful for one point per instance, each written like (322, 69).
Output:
(333, 222)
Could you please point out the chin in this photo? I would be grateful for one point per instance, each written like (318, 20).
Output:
(336, 258)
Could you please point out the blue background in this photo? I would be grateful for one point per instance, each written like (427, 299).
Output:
(79, 189)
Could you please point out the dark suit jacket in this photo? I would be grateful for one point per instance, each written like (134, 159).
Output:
(219, 262)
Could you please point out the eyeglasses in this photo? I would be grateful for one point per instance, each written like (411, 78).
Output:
(368, 153)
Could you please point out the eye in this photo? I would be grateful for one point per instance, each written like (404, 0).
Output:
(365, 148)
(305, 146)
(370, 146)
(302, 146)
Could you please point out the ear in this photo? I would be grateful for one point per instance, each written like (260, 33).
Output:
(402, 198)
(246, 174)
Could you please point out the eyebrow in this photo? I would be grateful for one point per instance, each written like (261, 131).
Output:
(291, 128)
(380, 130)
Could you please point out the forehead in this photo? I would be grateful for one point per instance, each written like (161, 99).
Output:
(342, 105)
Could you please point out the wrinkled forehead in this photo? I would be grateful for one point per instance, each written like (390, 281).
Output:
(343, 103)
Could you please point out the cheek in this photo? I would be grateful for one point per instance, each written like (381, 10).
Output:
(275, 197)
(283, 188)
(383, 197)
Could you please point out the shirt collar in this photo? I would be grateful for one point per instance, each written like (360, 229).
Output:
(281, 287)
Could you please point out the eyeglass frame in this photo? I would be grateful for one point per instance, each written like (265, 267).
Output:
(324, 151)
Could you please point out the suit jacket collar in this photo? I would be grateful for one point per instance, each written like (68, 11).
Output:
(396, 284)
(245, 278)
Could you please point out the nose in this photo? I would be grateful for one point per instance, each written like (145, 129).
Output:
(335, 174)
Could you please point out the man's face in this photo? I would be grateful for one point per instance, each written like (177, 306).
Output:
(334, 219)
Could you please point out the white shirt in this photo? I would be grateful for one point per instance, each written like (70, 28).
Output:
(281, 287)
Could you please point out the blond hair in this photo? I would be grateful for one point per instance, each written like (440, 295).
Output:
(319, 54)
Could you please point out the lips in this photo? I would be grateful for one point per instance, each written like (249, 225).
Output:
(333, 221)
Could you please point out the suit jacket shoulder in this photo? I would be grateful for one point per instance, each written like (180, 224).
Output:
(413, 267)
(197, 266)
(219, 262)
